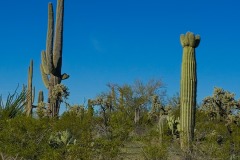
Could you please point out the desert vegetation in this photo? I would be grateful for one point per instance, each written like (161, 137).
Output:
(129, 121)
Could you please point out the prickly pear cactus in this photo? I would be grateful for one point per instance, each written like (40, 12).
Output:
(173, 125)
(61, 138)
(189, 42)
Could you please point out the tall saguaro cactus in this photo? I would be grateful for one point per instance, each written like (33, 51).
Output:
(30, 91)
(52, 58)
(188, 89)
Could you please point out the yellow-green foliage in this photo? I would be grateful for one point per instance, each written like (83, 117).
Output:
(73, 136)
(24, 136)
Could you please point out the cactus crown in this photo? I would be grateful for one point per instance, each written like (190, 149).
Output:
(190, 40)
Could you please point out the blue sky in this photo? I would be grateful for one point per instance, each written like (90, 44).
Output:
(121, 41)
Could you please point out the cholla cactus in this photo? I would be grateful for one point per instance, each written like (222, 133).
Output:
(77, 110)
(155, 109)
(59, 92)
(219, 105)
(61, 138)
(106, 107)
(41, 110)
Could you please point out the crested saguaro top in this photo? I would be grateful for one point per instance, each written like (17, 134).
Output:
(190, 40)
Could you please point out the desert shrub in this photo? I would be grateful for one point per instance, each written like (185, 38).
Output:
(213, 139)
(24, 136)
(155, 151)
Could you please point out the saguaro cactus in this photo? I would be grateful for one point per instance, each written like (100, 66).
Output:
(30, 91)
(161, 124)
(40, 97)
(41, 112)
(188, 89)
(52, 58)
(90, 111)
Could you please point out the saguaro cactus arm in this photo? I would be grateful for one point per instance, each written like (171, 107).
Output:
(44, 60)
(57, 50)
(49, 41)
(44, 77)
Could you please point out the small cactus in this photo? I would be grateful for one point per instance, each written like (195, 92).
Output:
(173, 124)
(61, 138)
(161, 125)
(30, 91)
(41, 110)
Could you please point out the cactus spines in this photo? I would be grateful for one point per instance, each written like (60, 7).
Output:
(52, 58)
(188, 89)
(30, 90)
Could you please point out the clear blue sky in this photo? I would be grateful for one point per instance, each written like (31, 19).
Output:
(121, 41)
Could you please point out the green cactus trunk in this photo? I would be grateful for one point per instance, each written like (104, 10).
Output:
(40, 107)
(30, 91)
(188, 90)
(52, 59)
(90, 111)
(161, 125)
(40, 97)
